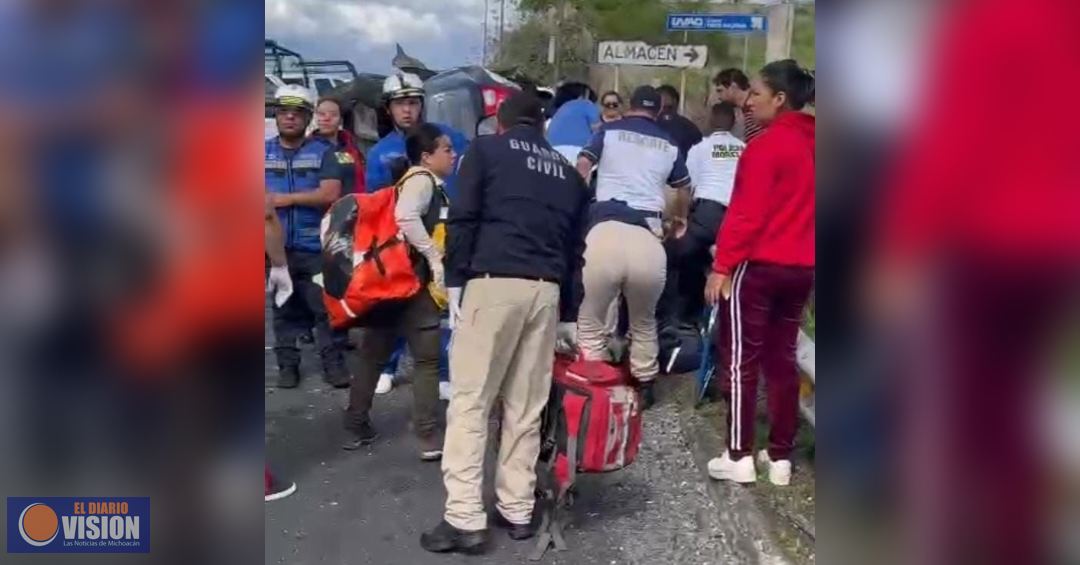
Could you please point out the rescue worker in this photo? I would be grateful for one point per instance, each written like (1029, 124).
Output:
(420, 211)
(764, 271)
(303, 177)
(329, 125)
(514, 244)
(624, 256)
(403, 94)
(711, 164)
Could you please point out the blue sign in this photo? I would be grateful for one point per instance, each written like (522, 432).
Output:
(730, 23)
(78, 525)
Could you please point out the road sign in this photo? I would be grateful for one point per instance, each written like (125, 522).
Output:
(730, 23)
(641, 53)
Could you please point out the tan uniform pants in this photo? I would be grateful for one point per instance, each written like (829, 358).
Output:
(621, 259)
(504, 346)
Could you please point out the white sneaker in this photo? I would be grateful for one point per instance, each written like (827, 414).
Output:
(444, 390)
(724, 469)
(779, 471)
(386, 383)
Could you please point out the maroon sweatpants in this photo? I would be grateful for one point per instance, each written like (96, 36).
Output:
(758, 329)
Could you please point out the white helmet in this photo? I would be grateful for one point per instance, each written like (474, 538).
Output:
(402, 85)
(296, 96)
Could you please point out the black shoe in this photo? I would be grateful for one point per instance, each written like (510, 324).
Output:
(359, 437)
(648, 395)
(445, 538)
(517, 532)
(336, 376)
(288, 376)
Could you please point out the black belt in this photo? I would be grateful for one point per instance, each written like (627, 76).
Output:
(523, 277)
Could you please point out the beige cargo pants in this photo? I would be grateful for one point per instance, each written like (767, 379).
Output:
(504, 346)
(621, 259)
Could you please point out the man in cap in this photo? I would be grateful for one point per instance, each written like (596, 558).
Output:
(514, 244)
(303, 177)
(636, 161)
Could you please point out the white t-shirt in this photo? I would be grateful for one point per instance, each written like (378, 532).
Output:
(712, 165)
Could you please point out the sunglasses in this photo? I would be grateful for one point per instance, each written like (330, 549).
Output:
(611, 105)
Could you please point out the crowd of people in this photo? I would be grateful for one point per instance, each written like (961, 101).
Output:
(596, 222)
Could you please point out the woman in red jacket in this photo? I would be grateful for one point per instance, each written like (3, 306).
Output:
(328, 122)
(763, 272)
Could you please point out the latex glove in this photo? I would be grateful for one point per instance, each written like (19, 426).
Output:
(454, 295)
(280, 283)
(437, 286)
(566, 337)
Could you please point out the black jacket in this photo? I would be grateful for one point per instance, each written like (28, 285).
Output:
(520, 211)
(681, 129)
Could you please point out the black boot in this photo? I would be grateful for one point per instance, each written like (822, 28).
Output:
(288, 376)
(361, 435)
(648, 395)
(445, 538)
(517, 532)
(335, 375)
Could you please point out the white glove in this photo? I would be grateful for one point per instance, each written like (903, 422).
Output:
(280, 283)
(455, 305)
(566, 338)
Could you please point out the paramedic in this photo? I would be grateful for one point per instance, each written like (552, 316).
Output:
(303, 177)
(514, 244)
(624, 255)
(711, 164)
(420, 211)
(403, 94)
(764, 271)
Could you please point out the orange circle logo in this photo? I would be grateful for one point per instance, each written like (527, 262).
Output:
(38, 524)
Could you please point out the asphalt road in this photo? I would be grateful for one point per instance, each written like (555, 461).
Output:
(370, 506)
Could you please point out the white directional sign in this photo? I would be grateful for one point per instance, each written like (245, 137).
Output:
(641, 53)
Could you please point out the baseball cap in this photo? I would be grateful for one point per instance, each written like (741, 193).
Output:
(521, 108)
(645, 98)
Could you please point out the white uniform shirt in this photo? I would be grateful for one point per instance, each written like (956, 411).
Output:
(712, 165)
(636, 160)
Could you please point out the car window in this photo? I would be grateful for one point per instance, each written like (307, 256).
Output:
(454, 108)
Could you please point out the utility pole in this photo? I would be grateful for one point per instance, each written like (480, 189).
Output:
(483, 44)
(502, 21)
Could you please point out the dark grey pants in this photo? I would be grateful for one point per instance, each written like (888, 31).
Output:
(305, 311)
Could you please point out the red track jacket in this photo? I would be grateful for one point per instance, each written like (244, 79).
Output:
(771, 217)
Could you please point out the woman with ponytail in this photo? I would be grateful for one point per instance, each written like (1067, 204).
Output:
(763, 272)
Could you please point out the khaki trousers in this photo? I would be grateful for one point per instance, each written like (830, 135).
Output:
(504, 346)
(621, 259)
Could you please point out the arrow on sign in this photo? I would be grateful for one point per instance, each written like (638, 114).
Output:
(692, 54)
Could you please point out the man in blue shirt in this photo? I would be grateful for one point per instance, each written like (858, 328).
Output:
(575, 122)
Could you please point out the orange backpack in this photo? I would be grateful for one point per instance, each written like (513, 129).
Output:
(366, 261)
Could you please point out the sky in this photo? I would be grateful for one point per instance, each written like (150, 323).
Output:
(441, 33)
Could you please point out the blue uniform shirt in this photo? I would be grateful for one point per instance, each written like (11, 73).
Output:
(377, 175)
(636, 159)
(573, 123)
